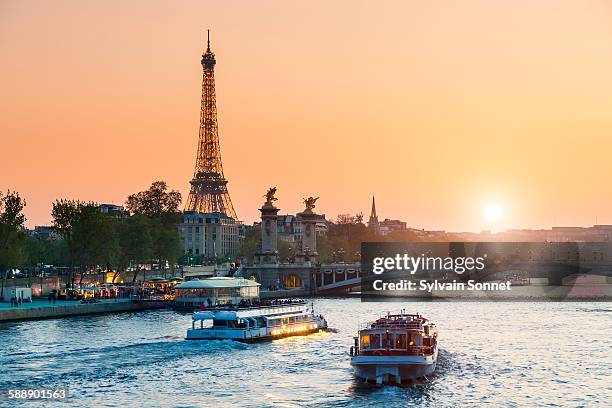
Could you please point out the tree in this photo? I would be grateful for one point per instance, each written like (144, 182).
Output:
(64, 215)
(12, 236)
(161, 207)
(345, 219)
(359, 218)
(135, 243)
(251, 243)
(95, 237)
(155, 201)
(342, 242)
(166, 241)
(285, 251)
(90, 235)
(46, 251)
(11, 207)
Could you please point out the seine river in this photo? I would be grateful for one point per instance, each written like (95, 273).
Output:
(499, 354)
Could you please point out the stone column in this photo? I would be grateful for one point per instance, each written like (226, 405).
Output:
(308, 220)
(269, 229)
(269, 234)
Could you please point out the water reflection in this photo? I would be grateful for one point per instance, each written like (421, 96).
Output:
(510, 353)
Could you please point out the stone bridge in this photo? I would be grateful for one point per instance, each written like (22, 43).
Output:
(337, 278)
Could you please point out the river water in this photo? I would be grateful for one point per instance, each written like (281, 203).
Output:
(499, 354)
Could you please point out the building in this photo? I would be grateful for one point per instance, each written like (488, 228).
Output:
(383, 227)
(388, 226)
(210, 227)
(290, 229)
(209, 235)
(44, 232)
(596, 233)
(113, 210)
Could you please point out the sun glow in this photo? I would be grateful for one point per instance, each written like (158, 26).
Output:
(493, 212)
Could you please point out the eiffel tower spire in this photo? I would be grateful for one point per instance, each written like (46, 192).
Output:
(209, 187)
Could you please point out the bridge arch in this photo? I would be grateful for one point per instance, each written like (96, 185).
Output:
(293, 281)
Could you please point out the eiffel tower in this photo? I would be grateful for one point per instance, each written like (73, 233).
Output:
(209, 187)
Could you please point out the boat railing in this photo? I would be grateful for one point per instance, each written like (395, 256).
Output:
(278, 309)
(238, 308)
(411, 351)
(391, 325)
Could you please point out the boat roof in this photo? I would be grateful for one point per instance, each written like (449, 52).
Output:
(217, 282)
(269, 312)
(397, 321)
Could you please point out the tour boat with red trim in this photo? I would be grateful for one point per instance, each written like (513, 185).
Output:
(395, 348)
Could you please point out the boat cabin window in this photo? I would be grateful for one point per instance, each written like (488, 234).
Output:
(220, 323)
(231, 324)
(365, 339)
(400, 341)
(371, 341)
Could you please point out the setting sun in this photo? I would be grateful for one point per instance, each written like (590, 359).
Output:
(493, 212)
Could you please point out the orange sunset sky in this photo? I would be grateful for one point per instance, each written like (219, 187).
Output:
(446, 111)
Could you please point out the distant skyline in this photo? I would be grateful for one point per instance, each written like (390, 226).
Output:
(460, 116)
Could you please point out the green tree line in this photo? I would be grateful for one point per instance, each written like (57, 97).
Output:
(90, 239)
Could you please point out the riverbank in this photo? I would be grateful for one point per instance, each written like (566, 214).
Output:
(41, 309)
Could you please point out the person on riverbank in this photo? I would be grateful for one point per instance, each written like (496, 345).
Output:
(12, 301)
(19, 300)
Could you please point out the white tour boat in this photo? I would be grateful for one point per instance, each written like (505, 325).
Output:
(395, 349)
(255, 323)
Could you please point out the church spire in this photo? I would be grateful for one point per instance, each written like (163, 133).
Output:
(373, 222)
(373, 213)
